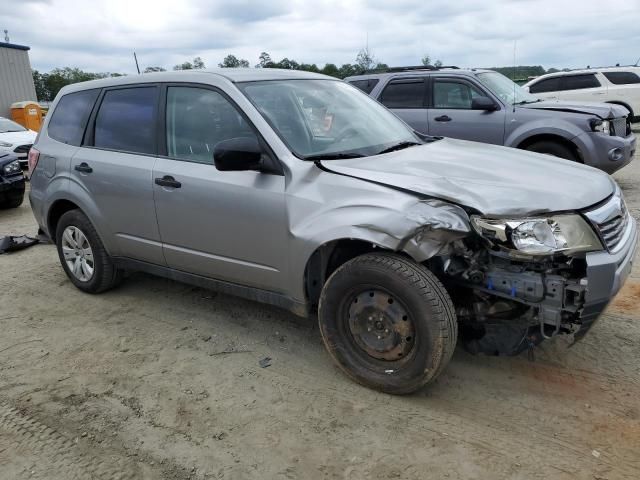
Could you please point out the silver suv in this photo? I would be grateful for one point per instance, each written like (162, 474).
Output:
(298, 190)
(485, 106)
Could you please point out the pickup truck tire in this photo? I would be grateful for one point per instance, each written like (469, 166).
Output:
(553, 148)
(387, 322)
(75, 233)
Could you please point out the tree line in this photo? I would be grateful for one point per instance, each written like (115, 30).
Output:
(49, 84)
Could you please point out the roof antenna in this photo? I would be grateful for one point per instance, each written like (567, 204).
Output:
(136, 59)
(6, 36)
(513, 101)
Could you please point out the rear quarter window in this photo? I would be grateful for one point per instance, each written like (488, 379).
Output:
(69, 119)
(622, 78)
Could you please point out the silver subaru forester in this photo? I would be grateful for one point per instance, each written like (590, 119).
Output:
(299, 190)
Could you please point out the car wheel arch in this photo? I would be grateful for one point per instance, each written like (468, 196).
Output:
(549, 137)
(328, 257)
(57, 209)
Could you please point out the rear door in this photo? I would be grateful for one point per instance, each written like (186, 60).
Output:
(582, 87)
(226, 225)
(406, 97)
(450, 113)
(113, 170)
(547, 88)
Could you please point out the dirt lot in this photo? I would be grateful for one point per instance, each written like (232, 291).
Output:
(159, 380)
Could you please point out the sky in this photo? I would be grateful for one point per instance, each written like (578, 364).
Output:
(100, 35)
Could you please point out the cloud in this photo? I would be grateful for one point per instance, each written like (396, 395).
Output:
(101, 35)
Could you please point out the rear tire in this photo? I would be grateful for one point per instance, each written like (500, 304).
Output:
(553, 148)
(82, 254)
(387, 322)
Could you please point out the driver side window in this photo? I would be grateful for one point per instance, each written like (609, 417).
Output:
(453, 95)
(197, 120)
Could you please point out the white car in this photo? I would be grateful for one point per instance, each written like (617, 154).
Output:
(620, 85)
(16, 139)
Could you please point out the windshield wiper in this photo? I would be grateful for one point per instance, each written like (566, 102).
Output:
(333, 156)
(525, 102)
(398, 146)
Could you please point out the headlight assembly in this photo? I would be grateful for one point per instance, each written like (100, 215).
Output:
(539, 236)
(12, 168)
(602, 126)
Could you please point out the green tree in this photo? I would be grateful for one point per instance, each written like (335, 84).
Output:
(198, 63)
(366, 59)
(231, 61)
(264, 61)
(330, 69)
(154, 69)
(184, 66)
(426, 59)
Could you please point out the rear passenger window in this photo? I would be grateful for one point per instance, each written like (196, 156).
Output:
(126, 120)
(546, 85)
(578, 82)
(404, 94)
(622, 78)
(197, 120)
(365, 85)
(69, 119)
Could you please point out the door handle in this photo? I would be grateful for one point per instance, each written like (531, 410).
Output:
(168, 181)
(84, 168)
(443, 118)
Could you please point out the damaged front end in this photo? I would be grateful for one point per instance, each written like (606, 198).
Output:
(519, 281)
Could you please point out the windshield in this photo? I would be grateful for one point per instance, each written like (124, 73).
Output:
(7, 125)
(506, 89)
(327, 118)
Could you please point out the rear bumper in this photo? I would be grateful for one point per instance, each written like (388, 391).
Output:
(606, 274)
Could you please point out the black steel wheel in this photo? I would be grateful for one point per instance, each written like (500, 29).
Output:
(387, 322)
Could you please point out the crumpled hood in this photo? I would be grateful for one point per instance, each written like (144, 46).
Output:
(602, 110)
(496, 181)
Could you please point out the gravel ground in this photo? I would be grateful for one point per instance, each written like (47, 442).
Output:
(159, 380)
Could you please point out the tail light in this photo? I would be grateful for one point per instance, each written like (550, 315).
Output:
(34, 156)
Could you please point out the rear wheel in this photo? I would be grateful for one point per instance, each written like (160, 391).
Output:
(83, 255)
(553, 148)
(387, 322)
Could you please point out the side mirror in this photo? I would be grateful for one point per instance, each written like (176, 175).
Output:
(483, 103)
(238, 154)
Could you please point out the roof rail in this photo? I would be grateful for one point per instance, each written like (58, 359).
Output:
(409, 69)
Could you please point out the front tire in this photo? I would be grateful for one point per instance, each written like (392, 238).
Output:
(553, 148)
(387, 322)
(82, 254)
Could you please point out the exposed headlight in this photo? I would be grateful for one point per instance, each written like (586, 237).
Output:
(6, 144)
(11, 168)
(540, 236)
(602, 126)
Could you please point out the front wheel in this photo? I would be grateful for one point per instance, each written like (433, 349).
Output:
(553, 148)
(387, 322)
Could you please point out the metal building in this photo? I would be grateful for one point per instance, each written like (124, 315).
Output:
(16, 80)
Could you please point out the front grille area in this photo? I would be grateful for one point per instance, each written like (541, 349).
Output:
(612, 230)
(22, 149)
(620, 127)
(610, 220)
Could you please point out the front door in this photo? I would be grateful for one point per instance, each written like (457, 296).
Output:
(225, 225)
(451, 115)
